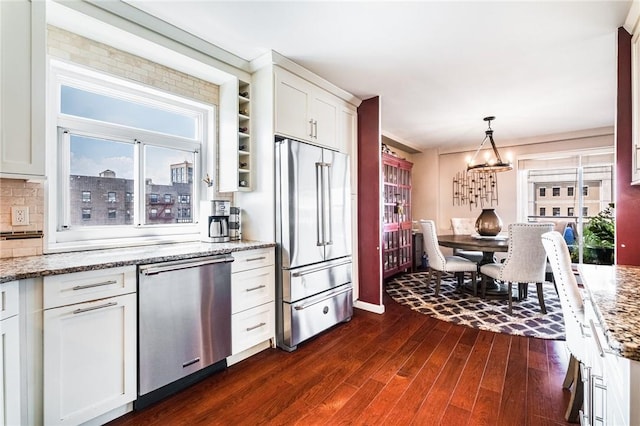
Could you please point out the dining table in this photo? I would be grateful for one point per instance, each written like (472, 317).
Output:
(488, 245)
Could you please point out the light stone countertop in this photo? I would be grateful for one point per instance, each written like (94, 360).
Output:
(615, 295)
(63, 263)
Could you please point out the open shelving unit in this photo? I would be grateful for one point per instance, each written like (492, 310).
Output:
(244, 136)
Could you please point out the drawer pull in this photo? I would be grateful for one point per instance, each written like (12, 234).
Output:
(93, 308)
(601, 349)
(255, 258)
(262, 324)
(255, 288)
(82, 287)
(188, 363)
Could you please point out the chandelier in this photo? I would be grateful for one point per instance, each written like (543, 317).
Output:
(490, 164)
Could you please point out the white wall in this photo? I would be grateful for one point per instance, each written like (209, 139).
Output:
(433, 172)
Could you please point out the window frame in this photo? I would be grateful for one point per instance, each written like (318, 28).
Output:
(60, 238)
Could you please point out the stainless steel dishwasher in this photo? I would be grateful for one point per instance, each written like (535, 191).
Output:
(184, 324)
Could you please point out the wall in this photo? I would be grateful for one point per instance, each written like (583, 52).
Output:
(627, 195)
(434, 172)
(15, 192)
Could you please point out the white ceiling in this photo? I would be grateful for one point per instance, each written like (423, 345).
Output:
(439, 67)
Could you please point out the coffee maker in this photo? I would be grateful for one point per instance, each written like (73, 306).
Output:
(215, 221)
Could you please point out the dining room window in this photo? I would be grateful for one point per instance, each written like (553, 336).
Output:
(592, 172)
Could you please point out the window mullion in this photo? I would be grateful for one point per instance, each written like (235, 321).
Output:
(138, 173)
(64, 161)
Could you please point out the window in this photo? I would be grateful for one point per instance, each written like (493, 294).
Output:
(585, 211)
(556, 211)
(569, 211)
(184, 199)
(585, 191)
(543, 211)
(556, 191)
(543, 192)
(133, 140)
(570, 191)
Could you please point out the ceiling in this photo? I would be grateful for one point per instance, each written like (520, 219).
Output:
(439, 67)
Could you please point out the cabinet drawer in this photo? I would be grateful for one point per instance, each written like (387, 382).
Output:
(252, 326)
(8, 299)
(77, 287)
(252, 288)
(251, 259)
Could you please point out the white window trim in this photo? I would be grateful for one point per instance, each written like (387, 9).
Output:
(102, 237)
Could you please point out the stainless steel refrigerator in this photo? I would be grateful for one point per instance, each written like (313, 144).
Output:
(313, 232)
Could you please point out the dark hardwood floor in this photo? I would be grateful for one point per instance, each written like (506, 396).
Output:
(398, 368)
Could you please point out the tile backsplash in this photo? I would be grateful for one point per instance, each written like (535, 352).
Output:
(18, 192)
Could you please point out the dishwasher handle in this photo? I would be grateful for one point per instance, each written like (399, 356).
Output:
(176, 266)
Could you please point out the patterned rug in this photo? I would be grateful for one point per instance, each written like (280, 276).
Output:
(485, 314)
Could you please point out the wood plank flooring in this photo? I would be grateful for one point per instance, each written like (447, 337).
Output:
(394, 369)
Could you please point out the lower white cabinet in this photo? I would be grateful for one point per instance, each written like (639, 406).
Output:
(89, 346)
(10, 390)
(252, 302)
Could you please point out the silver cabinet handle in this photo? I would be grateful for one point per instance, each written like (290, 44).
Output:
(253, 259)
(256, 326)
(601, 349)
(311, 128)
(82, 287)
(315, 129)
(255, 288)
(188, 363)
(93, 308)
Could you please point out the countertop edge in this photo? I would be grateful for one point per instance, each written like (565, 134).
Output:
(91, 260)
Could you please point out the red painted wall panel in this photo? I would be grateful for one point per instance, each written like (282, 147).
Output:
(627, 195)
(369, 257)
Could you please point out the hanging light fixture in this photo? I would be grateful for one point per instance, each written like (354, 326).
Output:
(491, 164)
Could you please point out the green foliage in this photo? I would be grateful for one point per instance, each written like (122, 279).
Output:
(600, 231)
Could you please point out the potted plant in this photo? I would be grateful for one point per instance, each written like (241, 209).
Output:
(599, 237)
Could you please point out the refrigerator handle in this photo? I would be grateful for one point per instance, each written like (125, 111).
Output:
(328, 219)
(319, 206)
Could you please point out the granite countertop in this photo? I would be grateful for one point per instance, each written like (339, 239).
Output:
(63, 263)
(615, 294)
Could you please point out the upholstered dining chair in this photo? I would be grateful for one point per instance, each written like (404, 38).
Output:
(465, 226)
(441, 263)
(526, 262)
(573, 314)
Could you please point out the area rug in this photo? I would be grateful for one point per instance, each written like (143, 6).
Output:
(465, 309)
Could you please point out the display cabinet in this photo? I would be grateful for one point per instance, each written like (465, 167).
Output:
(397, 242)
(244, 137)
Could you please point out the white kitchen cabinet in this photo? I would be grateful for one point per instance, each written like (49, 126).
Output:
(252, 302)
(306, 112)
(10, 391)
(22, 83)
(89, 344)
(612, 383)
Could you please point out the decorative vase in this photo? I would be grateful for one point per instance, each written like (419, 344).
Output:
(488, 223)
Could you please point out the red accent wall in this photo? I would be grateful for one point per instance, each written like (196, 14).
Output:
(627, 195)
(369, 234)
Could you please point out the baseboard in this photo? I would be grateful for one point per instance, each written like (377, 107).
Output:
(365, 306)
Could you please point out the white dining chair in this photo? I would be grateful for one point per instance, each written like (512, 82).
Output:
(575, 325)
(441, 263)
(465, 226)
(526, 262)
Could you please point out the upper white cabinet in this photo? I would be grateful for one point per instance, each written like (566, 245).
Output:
(307, 112)
(22, 83)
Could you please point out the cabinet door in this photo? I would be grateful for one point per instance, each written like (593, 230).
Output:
(347, 138)
(21, 152)
(324, 115)
(292, 103)
(89, 359)
(10, 372)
